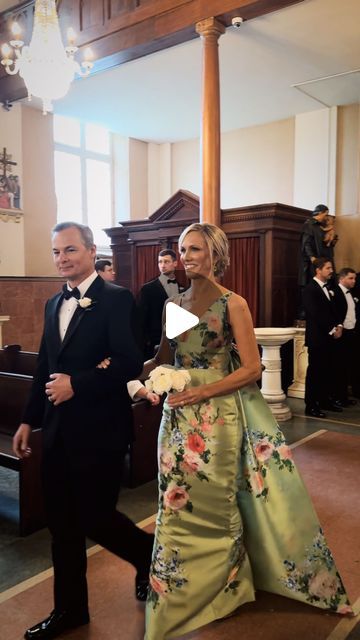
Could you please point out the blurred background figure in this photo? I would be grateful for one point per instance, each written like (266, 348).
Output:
(105, 270)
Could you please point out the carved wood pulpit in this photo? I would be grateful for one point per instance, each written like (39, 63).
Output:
(264, 249)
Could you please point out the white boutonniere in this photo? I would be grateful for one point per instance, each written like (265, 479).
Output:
(86, 303)
(356, 299)
(331, 292)
(166, 378)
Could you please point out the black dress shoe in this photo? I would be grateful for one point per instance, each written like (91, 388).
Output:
(141, 587)
(347, 403)
(55, 624)
(315, 412)
(333, 406)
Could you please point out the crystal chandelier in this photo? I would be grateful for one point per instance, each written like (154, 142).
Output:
(47, 67)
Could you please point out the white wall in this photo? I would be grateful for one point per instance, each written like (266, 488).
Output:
(315, 159)
(159, 175)
(121, 178)
(185, 166)
(138, 172)
(257, 165)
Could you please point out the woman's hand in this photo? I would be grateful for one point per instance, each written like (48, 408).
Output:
(193, 395)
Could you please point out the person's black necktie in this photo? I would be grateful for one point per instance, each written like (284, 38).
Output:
(74, 293)
(172, 281)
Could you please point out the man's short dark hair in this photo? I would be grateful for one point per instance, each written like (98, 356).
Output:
(344, 272)
(101, 264)
(320, 208)
(85, 232)
(168, 252)
(319, 263)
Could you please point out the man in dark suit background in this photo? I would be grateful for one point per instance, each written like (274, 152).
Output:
(346, 347)
(85, 414)
(152, 298)
(323, 327)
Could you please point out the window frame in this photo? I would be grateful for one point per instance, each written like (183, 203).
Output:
(84, 154)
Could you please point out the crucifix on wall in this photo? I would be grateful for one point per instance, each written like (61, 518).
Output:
(9, 183)
(5, 161)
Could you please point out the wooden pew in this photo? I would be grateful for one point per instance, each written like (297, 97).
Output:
(13, 360)
(14, 391)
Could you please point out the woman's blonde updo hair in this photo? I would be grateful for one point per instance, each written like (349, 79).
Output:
(217, 243)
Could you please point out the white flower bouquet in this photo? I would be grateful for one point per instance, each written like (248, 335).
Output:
(166, 378)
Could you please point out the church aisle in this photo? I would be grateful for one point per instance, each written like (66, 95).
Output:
(328, 461)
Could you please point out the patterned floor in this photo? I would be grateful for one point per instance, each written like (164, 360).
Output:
(330, 463)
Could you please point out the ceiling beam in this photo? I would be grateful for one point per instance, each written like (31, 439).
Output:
(118, 34)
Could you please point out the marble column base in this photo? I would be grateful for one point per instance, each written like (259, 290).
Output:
(271, 339)
(297, 389)
(2, 320)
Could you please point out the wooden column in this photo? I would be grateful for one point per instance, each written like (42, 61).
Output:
(210, 30)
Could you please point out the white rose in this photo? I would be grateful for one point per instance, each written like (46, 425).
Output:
(85, 302)
(162, 384)
(164, 378)
(180, 378)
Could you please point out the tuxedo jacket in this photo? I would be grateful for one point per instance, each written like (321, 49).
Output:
(341, 305)
(151, 302)
(98, 415)
(321, 315)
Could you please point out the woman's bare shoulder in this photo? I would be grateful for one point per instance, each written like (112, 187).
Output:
(236, 302)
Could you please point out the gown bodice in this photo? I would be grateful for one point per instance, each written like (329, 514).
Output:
(208, 345)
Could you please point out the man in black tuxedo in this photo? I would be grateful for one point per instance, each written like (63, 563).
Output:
(346, 348)
(152, 298)
(85, 414)
(323, 327)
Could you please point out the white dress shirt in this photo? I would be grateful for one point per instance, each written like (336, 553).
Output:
(171, 288)
(133, 387)
(350, 318)
(68, 307)
(324, 288)
(327, 293)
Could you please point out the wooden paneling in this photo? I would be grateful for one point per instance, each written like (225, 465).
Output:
(91, 14)
(276, 226)
(23, 299)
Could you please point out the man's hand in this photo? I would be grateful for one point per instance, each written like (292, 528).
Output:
(21, 441)
(338, 332)
(60, 389)
(153, 398)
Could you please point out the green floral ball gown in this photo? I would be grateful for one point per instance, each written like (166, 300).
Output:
(234, 515)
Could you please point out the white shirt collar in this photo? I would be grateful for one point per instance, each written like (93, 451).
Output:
(85, 284)
(344, 289)
(320, 282)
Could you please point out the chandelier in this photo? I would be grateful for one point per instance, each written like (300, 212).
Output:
(47, 67)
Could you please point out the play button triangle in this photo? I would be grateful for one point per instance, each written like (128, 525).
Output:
(178, 320)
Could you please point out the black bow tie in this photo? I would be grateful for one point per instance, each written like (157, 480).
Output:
(172, 281)
(348, 291)
(74, 293)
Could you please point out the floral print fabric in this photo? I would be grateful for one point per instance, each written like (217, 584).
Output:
(233, 512)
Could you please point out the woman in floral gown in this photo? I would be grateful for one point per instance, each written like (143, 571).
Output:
(233, 515)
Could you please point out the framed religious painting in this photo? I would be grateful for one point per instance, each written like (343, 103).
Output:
(10, 187)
